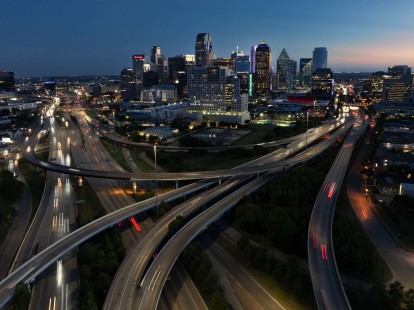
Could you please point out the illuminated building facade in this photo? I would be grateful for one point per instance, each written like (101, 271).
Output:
(263, 70)
(138, 62)
(322, 83)
(224, 62)
(129, 85)
(204, 50)
(395, 86)
(160, 63)
(214, 94)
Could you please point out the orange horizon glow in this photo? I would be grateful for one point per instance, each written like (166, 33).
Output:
(378, 53)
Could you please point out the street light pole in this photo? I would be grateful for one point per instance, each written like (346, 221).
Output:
(156, 179)
(314, 103)
(306, 133)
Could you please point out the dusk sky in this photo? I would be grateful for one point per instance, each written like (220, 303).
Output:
(46, 37)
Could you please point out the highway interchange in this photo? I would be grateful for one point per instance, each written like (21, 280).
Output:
(273, 162)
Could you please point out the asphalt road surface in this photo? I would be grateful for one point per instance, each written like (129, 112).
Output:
(400, 261)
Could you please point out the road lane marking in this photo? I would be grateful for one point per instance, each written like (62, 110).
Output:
(153, 277)
(156, 279)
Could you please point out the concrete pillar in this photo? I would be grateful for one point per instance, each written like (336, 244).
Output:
(176, 184)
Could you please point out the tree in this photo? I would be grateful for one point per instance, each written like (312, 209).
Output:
(21, 297)
(378, 296)
(395, 295)
(409, 299)
(176, 225)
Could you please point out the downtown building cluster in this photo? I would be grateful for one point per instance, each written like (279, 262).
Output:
(219, 89)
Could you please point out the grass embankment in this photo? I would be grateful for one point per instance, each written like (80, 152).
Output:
(35, 178)
(116, 154)
(200, 269)
(98, 258)
(141, 163)
(267, 133)
(198, 160)
(257, 135)
(10, 192)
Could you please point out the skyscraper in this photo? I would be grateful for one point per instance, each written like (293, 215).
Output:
(155, 53)
(286, 69)
(263, 69)
(177, 73)
(320, 58)
(160, 62)
(129, 86)
(305, 71)
(204, 50)
(241, 62)
(253, 59)
(138, 66)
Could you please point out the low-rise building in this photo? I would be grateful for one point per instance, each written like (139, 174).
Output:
(169, 112)
(162, 132)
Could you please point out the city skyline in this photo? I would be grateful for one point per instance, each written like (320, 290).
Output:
(85, 38)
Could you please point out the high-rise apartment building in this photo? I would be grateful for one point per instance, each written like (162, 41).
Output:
(320, 58)
(263, 69)
(7, 82)
(216, 95)
(204, 50)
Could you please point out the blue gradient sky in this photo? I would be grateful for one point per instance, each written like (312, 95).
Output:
(46, 37)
